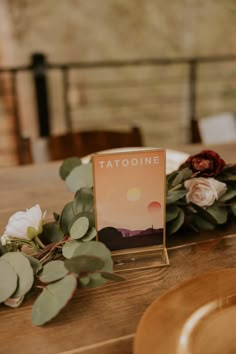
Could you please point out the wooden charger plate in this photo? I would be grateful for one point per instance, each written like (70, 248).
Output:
(197, 317)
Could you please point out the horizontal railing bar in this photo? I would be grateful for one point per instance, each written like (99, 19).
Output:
(128, 62)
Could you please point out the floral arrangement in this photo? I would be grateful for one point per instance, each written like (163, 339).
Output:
(58, 258)
(201, 194)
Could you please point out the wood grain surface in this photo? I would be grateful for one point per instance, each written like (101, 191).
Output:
(101, 320)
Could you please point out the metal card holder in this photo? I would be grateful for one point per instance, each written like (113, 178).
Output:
(140, 259)
(130, 192)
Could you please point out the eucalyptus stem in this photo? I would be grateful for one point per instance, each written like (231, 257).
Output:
(39, 242)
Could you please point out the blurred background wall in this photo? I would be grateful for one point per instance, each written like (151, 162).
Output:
(87, 30)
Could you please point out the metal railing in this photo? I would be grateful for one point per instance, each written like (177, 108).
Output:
(40, 67)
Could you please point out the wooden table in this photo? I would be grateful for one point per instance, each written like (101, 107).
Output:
(101, 320)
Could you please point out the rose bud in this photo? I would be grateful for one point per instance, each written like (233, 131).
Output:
(207, 163)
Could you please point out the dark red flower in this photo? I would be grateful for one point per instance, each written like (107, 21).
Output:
(207, 163)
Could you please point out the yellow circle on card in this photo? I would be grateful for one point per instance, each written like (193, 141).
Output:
(133, 194)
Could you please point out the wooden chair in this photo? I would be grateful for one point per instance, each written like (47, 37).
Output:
(77, 144)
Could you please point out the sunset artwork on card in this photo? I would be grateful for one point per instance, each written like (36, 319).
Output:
(129, 190)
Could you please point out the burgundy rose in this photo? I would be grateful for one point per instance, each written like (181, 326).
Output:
(207, 163)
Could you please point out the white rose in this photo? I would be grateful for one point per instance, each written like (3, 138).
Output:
(24, 225)
(204, 191)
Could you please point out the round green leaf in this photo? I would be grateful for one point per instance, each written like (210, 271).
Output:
(91, 234)
(8, 280)
(175, 224)
(84, 264)
(35, 264)
(172, 212)
(79, 227)
(89, 215)
(231, 193)
(66, 218)
(22, 267)
(56, 216)
(219, 213)
(183, 174)
(83, 281)
(203, 224)
(53, 271)
(95, 280)
(53, 298)
(68, 165)
(173, 196)
(84, 200)
(81, 176)
(233, 209)
(69, 248)
(204, 213)
(97, 249)
(51, 233)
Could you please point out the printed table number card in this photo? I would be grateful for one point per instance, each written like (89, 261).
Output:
(129, 189)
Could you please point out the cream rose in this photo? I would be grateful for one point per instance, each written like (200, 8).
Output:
(24, 225)
(204, 191)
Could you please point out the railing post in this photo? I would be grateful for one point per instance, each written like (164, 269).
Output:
(194, 128)
(39, 70)
(65, 85)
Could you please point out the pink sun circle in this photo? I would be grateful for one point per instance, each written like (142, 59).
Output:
(154, 206)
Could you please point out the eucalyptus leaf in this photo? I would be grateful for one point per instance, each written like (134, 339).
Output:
(220, 214)
(91, 234)
(203, 224)
(81, 176)
(3, 249)
(56, 216)
(53, 271)
(230, 169)
(83, 281)
(79, 227)
(84, 264)
(172, 212)
(52, 233)
(96, 248)
(95, 279)
(35, 264)
(66, 218)
(173, 196)
(68, 165)
(231, 193)
(182, 175)
(8, 280)
(170, 177)
(175, 224)
(53, 298)
(112, 276)
(84, 200)
(89, 215)
(233, 208)
(22, 267)
(69, 248)
(204, 213)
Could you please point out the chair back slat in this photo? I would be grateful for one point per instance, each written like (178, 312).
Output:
(80, 144)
